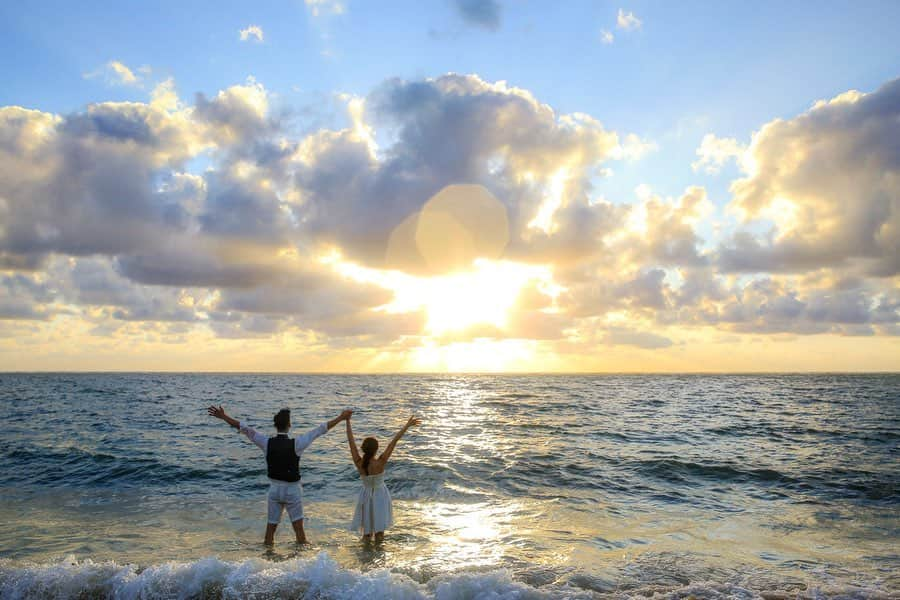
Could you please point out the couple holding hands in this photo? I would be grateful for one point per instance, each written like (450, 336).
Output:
(373, 513)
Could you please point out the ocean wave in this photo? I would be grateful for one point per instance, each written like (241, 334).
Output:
(322, 578)
(832, 482)
(83, 467)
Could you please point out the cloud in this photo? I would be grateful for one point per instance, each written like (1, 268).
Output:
(103, 219)
(26, 297)
(627, 21)
(770, 306)
(634, 148)
(606, 36)
(238, 113)
(714, 152)
(448, 130)
(480, 13)
(117, 73)
(828, 182)
(83, 184)
(318, 8)
(617, 336)
(251, 33)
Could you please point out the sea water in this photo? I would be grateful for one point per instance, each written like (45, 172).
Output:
(538, 486)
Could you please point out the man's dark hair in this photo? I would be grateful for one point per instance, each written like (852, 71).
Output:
(283, 419)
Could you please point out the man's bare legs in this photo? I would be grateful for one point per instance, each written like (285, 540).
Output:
(270, 534)
(379, 537)
(298, 531)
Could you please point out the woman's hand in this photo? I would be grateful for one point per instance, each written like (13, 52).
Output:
(413, 421)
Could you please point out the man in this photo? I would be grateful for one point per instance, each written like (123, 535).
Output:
(283, 465)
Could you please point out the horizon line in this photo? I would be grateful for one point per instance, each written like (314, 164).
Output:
(371, 373)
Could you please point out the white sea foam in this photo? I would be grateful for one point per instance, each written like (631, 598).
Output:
(322, 578)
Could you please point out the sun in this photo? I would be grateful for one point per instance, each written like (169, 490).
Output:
(457, 307)
(456, 301)
(482, 296)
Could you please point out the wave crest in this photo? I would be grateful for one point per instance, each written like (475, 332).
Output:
(322, 578)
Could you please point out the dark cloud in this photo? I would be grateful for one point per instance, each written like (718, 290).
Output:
(480, 13)
(25, 297)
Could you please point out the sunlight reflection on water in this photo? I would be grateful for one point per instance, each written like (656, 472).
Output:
(600, 482)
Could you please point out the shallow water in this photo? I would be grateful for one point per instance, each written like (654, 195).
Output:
(515, 486)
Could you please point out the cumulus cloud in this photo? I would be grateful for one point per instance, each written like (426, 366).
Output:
(480, 13)
(607, 36)
(627, 21)
(828, 181)
(105, 186)
(453, 129)
(102, 217)
(251, 33)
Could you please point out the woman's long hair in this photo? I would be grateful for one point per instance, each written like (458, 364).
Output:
(369, 447)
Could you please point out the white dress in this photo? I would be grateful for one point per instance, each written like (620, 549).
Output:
(373, 507)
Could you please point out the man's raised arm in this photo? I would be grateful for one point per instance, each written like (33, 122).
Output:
(219, 413)
(302, 441)
(345, 414)
(255, 437)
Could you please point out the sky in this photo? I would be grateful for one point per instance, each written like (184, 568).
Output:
(453, 185)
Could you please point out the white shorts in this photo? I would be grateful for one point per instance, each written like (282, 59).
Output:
(285, 494)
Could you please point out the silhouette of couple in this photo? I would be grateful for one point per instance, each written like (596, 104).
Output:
(373, 514)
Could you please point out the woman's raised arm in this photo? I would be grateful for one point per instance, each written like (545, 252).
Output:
(390, 448)
(353, 449)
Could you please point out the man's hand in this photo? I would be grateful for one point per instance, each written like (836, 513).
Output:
(344, 416)
(219, 413)
(413, 421)
(216, 411)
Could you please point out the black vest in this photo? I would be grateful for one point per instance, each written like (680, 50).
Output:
(283, 462)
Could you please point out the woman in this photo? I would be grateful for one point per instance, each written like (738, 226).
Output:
(373, 512)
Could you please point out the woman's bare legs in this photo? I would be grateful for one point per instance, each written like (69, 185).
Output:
(379, 537)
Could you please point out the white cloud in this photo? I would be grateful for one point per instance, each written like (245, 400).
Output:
(606, 36)
(634, 148)
(627, 21)
(117, 73)
(251, 32)
(714, 152)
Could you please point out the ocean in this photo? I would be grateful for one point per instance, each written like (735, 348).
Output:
(514, 486)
